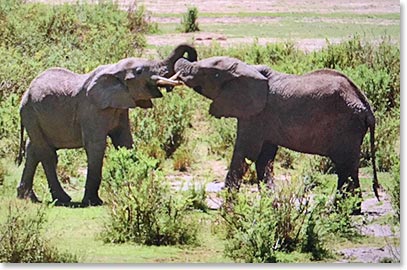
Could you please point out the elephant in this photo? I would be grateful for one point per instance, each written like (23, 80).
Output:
(64, 110)
(322, 112)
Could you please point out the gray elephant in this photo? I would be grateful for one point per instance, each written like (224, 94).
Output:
(322, 112)
(62, 109)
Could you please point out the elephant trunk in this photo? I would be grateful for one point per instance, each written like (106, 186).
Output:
(185, 68)
(178, 53)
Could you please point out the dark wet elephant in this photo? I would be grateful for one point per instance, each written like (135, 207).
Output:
(322, 112)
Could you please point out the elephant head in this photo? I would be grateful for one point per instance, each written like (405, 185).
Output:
(132, 82)
(236, 89)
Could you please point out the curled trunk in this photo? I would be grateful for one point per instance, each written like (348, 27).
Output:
(178, 53)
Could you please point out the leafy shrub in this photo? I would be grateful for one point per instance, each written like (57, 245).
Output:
(2, 173)
(142, 207)
(22, 237)
(394, 190)
(9, 126)
(182, 159)
(197, 196)
(222, 135)
(163, 128)
(262, 227)
(287, 219)
(286, 158)
(70, 163)
(140, 20)
(188, 21)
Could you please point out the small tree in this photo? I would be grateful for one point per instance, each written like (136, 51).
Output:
(188, 21)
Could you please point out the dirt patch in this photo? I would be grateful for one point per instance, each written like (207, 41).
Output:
(370, 255)
(206, 38)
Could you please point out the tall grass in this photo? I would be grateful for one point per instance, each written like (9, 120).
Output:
(23, 240)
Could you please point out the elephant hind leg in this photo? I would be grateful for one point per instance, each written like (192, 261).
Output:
(264, 163)
(49, 163)
(346, 170)
(25, 188)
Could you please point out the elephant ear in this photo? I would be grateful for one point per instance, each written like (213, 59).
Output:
(108, 90)
(243, 96)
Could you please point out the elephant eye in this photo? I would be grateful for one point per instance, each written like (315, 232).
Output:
(139, 71)
(217, 75)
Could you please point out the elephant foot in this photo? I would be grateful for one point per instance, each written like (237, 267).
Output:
(231, 185)
(61, 199)
(27, 194)
(357, 212)
(92, 201)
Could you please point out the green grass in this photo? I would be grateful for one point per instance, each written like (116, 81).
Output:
(295, 25)
(77, 230)
(293, 29)
(339, 15)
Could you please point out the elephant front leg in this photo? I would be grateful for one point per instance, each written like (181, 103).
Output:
(95, 154)
(248, 144)
(238, 168)
(264, 164)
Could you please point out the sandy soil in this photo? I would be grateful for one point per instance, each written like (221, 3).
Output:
(251, 6)
(233, 6)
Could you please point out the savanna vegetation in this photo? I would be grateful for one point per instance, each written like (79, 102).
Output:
(146, 219)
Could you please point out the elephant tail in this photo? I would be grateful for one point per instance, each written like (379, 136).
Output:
(21, 150)
(372, 123)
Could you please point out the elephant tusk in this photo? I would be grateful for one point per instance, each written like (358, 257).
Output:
(175, 75)
(161, 81)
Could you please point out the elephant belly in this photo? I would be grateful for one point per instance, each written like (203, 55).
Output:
(319, 134)
(63, 135)
(58, 124)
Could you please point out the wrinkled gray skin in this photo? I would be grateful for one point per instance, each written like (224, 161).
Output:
(321, 112)
(62, 109)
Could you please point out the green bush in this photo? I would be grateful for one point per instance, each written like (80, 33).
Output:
(142, 207)
(394, 190)
(22, 237)
(275, 224)
(9, 127)
(72, 165)
(140, 21)
(263, 227)
(197, 195)
(222, 135)
(188, 21)
(162, 129)
(182, 159)
(2, 173)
